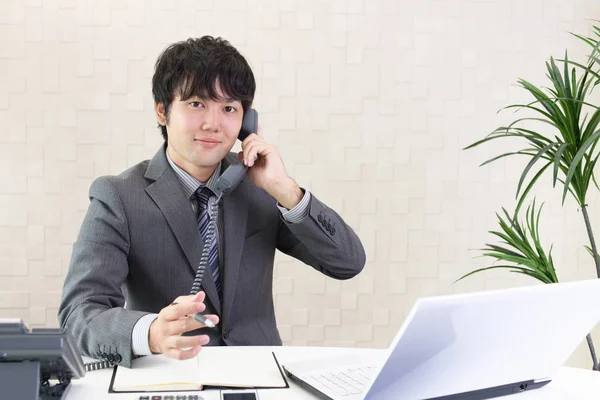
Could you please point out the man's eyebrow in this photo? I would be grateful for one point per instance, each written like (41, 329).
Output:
(205, 97)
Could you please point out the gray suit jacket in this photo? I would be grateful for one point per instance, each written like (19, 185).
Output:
(139, 242)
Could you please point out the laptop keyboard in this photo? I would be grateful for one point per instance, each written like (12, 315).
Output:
(346, 382)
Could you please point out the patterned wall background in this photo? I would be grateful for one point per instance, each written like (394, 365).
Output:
(370, 103)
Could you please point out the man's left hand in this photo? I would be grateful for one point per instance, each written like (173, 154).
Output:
(267, 171)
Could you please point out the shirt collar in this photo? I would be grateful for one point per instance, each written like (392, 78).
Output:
(191, 184)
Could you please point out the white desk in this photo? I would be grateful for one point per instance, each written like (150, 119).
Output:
(569, 384)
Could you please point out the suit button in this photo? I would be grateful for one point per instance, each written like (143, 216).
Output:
(332, 231)
(320, 218)
(226, 333)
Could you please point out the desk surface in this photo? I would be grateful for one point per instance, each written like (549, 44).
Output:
(569, 383)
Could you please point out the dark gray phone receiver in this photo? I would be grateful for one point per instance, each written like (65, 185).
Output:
(249, 124)
(230, 178)
(235, 172)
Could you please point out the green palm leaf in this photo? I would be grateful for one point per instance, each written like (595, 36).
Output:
(522, 251)
(576, 167)
(573, 150)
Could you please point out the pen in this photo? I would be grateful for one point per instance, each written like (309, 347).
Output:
(203, 320)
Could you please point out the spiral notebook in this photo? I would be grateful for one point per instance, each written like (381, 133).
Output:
(223, 367)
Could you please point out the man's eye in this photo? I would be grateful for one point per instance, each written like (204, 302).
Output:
(195, 104)
(230, 109)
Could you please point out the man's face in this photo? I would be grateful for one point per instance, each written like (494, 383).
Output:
(202, 131)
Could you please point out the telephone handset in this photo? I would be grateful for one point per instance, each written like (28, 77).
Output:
(249, 124)
(235, 172)
(228, 181)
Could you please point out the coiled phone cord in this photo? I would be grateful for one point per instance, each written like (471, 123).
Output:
(210, 235)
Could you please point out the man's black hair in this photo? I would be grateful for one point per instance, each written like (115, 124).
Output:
(193, 67)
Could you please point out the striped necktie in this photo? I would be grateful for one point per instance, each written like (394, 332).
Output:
(202, 195)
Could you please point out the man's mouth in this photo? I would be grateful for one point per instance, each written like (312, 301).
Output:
(208, 142)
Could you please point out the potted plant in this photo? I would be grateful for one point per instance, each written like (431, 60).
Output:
(569, 153)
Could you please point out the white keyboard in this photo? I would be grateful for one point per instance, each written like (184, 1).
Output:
(348, 381)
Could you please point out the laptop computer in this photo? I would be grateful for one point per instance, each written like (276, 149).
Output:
(465, 346)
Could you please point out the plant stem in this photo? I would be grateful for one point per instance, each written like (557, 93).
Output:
(595, 365)
(588, 226)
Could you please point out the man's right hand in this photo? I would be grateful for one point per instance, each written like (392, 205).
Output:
(165, 332)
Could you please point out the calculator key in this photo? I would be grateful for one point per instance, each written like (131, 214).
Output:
(156, 398)
(144, 398)
(169, 397)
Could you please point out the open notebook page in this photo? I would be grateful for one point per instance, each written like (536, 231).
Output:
(157, 373)
(214, 366)
(239, 367)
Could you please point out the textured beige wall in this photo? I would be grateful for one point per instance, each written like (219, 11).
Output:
(369, 102)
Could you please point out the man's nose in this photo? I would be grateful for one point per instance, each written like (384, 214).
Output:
(211, 119)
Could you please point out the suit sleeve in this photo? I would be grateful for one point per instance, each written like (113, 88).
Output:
(324, 241)
(92, 305)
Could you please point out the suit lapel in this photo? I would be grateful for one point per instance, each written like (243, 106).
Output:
(170, 198)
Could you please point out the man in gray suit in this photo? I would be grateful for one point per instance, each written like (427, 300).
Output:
(139, 247)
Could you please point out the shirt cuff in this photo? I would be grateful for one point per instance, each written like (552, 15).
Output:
(141, 334)
(298, 213)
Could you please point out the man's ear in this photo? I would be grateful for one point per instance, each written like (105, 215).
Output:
(161, 117)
